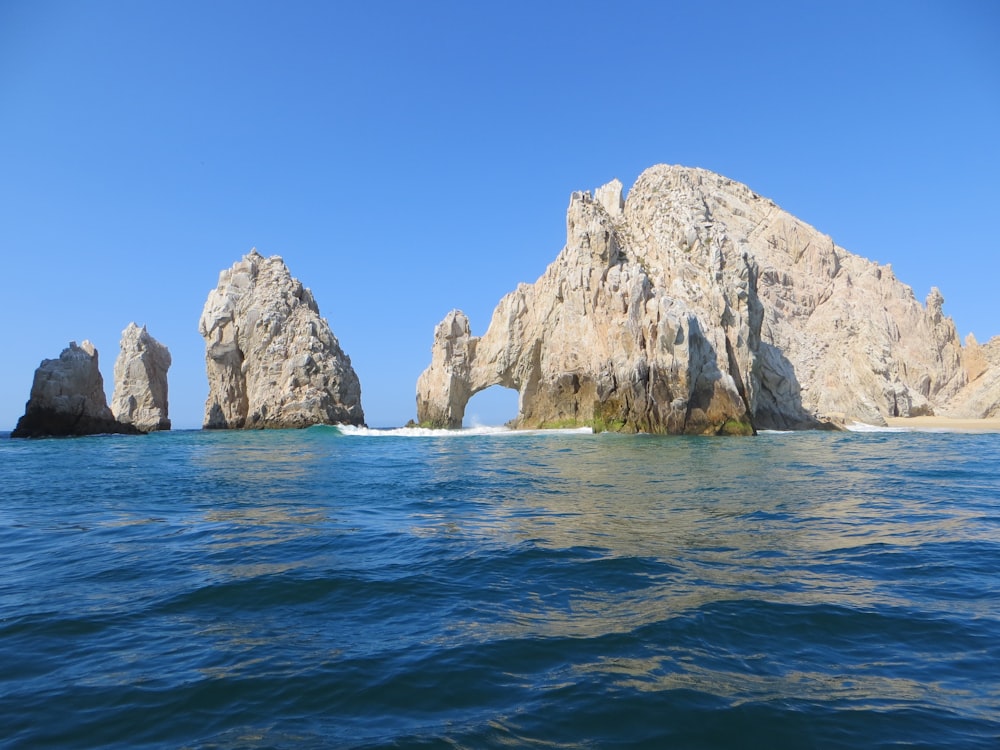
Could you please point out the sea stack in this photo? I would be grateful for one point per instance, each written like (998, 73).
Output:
(697, 306)
(140, 397)
(67, 398)
(272, 361)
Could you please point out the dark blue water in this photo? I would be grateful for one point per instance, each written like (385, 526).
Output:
(312, 589)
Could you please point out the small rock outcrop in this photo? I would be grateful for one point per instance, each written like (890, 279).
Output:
(272, 361)
(67, 398)
(697, 306)
(140, 396)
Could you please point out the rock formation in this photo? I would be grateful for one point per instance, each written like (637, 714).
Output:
(140, 397)
(272, 361)
(697, 306)
(981, 396)
(67, 398)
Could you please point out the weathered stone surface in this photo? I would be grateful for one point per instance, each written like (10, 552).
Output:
(272, 361)
(599, 340)
(980, 398)
(444, 389)
(841, 339)
(140, 396)
(67, 398)
(697, 306)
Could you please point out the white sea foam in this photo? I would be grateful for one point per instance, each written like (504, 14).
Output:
(863, 427)
(464, 432)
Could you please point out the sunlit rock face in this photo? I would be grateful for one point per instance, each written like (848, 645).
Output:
(140, 397)
(67, 398)
(272, 361)
(608, 336)
(981, 396)
(697, 306)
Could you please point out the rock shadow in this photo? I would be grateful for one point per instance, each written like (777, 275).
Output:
(778, 400)
(712, 405)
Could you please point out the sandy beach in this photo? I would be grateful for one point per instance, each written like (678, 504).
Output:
(945, 424)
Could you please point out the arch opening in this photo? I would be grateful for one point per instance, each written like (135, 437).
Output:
(491, 407)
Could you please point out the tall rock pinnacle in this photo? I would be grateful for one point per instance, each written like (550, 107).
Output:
(140, 397)
(272, 361)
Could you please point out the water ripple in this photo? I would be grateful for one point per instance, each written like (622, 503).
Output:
(311, 589)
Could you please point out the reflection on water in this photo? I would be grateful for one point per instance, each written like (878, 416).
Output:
(778, 519)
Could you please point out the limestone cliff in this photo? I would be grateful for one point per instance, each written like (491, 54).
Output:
(697, 306)
(272, 361)
(981, 396)
(67, 398)
(611, 335)
(140, 396)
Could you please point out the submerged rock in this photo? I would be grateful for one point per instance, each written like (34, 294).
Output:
(697, 306)
(272, 361)
(67, 398)
(140, 396)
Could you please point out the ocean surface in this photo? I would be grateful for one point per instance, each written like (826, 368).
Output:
(362, 589)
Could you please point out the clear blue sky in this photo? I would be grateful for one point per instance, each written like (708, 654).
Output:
(406, 158)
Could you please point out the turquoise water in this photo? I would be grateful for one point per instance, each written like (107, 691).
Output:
(324, 590)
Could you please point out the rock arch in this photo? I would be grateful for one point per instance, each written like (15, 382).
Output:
(698, 306)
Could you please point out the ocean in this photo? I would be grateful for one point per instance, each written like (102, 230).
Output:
(351, 588)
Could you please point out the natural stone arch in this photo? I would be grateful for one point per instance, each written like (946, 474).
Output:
(698, 306)
(593, 342)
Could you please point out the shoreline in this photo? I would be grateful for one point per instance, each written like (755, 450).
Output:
(944, 424)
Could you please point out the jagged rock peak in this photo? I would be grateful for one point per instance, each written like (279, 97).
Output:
(272, 361)
(140, 396)
(610, 198)
(67, 398)
(699, 306)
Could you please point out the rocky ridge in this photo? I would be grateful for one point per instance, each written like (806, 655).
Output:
(697, 306)
(67, 398)
(271, 360)
(140, 377)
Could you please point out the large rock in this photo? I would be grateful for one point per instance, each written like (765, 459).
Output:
(67, 398)
(272, 361)
(980, 398)
(697, 306)
(140, 397)
(615, 334)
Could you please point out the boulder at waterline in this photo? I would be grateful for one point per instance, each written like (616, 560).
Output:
(67, 398)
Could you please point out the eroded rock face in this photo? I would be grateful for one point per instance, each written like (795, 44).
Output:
(272, 361)
(445, 387)
(67, 398)
(601, 339)
(140, 396)
(697, 306)
(980, 398)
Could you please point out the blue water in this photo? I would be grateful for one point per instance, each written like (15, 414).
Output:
(324, 590)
